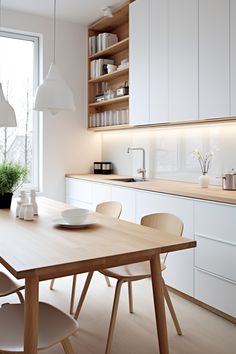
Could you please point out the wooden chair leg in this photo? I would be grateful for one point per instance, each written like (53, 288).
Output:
(171, 308)
(130, 291)
(107, 280)
(113, 315)
(52, 284)
(20, 296)
(83, 294)
(72, 298)
(67, 346)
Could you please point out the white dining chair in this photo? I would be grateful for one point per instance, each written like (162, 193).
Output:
(109, 208)
(9, 286)
(138, 271)
(54, 327)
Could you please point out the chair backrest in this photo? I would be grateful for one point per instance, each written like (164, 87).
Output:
(111, 208)
(166, 222)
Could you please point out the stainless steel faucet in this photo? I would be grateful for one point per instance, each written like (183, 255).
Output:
(143, 169)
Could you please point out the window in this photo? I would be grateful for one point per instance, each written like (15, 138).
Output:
(19, 77)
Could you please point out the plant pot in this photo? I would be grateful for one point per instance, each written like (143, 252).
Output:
(204, 181)
(5, 200)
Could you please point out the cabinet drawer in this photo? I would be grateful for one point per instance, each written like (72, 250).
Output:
(216, 257)
(216, 292)
(215, 220)
(78, 190)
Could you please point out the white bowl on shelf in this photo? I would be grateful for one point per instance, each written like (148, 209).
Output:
(75, 216)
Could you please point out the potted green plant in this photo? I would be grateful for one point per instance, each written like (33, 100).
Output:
(12, 175)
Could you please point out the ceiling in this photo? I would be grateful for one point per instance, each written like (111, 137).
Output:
(80, 11)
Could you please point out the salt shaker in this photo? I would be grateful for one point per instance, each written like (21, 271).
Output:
(33, 201)
(22, 211)
(28, 212)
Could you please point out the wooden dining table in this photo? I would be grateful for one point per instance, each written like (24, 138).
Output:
(39, 250)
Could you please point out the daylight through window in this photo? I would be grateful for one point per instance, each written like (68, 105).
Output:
(19, 77)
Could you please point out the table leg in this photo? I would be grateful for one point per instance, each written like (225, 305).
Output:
(31, 315)
(158, 297)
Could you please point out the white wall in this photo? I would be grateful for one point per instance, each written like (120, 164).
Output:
(169, 151)
(67, 146)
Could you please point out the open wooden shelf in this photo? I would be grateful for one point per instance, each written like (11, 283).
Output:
(111, 76)
(113, 49)
(110, 102)
(207, 121)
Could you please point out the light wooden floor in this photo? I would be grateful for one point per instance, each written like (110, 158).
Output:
(204, 332)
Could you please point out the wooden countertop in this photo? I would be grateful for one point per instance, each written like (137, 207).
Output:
(183, 189)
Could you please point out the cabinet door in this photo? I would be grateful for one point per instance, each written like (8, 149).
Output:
(213, 58)
(179, 271)
(183, 60)
(126, 196)
(159, 52)
(100, 193)
(79, 193)
(139, 62)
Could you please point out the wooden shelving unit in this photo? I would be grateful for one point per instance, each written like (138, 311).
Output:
(98, 112)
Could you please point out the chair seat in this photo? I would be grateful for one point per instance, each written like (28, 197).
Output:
(54, 326)
(8, 285)
(135, 271)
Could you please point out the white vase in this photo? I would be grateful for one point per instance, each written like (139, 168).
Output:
(204, 181)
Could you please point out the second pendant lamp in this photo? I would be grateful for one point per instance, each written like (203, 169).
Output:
(7, 113)
(53, 94)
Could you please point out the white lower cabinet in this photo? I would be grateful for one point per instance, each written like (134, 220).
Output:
(126, 196)
(207, 272)
(215, 255)
(179, 271)
(100, 193)
(78, 193)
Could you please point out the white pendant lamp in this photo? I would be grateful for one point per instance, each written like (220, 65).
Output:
(53, 94)
(7, 114)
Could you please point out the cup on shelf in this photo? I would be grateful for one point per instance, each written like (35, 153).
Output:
(111, 68)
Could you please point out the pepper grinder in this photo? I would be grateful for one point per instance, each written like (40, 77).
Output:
(33, 201)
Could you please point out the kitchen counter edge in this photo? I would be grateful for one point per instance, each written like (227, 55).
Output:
(182, 189)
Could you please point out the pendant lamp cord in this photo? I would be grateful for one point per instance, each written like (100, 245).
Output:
(54, 32)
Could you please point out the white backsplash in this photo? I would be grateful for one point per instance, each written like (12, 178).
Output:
(169, 151)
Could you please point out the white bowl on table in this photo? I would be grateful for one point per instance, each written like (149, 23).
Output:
(75, 216)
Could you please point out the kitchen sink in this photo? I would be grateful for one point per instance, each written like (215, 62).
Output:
(127, 179)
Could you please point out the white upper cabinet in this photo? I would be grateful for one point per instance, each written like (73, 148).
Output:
(214, 70)
(182, 55)
(139, 62)
(183, 60)
(159, 63)
(163, 61)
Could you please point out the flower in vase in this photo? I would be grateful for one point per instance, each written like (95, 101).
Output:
(204, 160)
